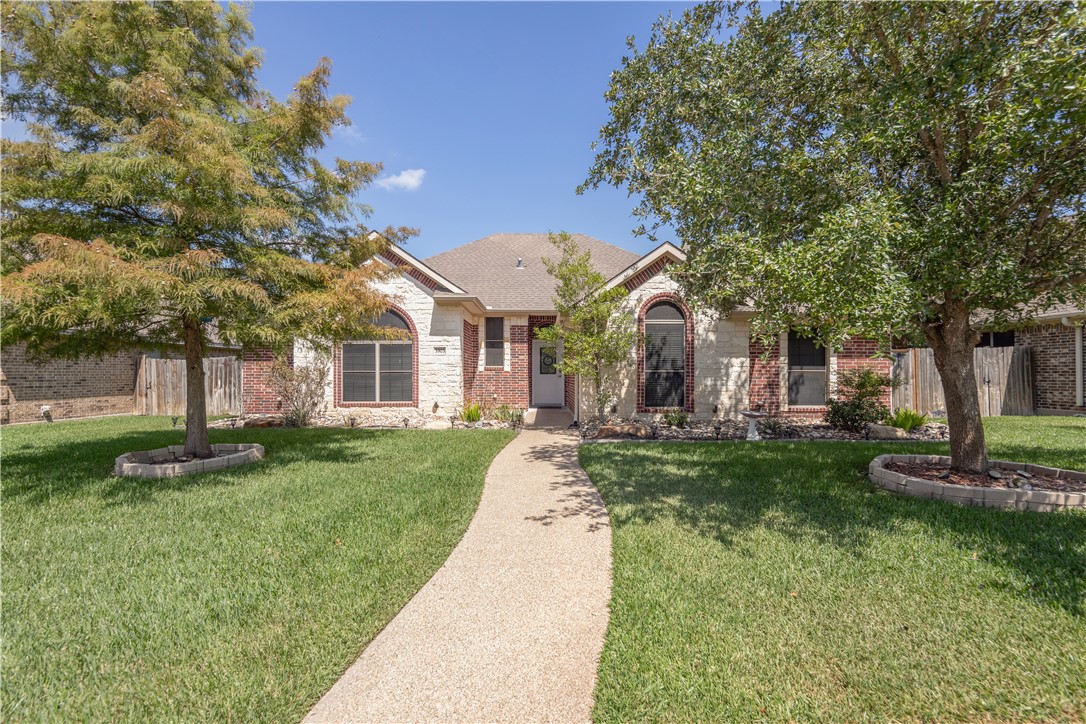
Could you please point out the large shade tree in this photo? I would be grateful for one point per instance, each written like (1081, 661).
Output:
(877, 169)
(161, 196)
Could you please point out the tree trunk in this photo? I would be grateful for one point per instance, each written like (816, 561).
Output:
(952, 343)
(196, 442)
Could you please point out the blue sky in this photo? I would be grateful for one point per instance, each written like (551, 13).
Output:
(483, 113)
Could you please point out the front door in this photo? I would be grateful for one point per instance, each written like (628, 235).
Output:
(548, 388)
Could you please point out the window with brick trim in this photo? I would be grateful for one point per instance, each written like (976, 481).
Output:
(806, 372)
(665, 356)
(495, 341)
(379, 370)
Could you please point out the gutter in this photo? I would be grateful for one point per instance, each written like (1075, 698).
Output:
(1066, 321)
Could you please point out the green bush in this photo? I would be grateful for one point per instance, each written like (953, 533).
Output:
(508, 413)
(677, 418)
(471, 413)
(772, 426)
(906, 419)
(859, 399)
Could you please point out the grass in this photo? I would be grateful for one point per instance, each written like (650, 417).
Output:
(239, 595)
(772, 581)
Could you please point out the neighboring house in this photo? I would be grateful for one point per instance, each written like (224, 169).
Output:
(471, 315)
(1057, 352)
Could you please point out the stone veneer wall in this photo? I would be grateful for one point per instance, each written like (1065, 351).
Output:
(86, 387)
(1053, 362)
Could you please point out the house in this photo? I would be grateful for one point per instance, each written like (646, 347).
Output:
(1057, 350)
(471, 314)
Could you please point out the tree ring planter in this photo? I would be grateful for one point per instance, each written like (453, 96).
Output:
(162, 462)
(1041, 501)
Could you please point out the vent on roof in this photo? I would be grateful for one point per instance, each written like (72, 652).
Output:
(520, 263)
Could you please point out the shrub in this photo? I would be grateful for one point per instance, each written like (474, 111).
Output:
(677, 418)
(772, 426)
(508, 413)
(300, 388)
(471, 413)
(859, 399)
(906, 419)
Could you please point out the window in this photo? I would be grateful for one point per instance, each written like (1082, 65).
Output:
(379, 371)
(665, 356)
(806, 371)
(495, 341)
(996, 339)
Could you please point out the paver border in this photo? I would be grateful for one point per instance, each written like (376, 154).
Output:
(1041, 501)
(150, 463)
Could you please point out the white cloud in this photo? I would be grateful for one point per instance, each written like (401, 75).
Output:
(408, 180)
(349, 134)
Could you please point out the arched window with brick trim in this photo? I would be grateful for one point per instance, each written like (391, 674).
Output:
(665, 356)
(380, 371)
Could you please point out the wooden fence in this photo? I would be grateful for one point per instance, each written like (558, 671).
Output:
(160, 386)
(1004, 384)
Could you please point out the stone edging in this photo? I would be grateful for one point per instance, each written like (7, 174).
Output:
(1037, 500)
(148, 463)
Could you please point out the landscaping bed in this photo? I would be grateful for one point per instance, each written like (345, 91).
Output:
(233, 595)
(995, 478)
(768, 429)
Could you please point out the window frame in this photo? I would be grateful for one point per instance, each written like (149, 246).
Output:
(793, 341)
(378, 345)
(682, 326)
(494, 345)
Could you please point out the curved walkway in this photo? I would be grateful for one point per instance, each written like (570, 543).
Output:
(511, 626)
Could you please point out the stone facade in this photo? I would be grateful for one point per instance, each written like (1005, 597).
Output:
(1052, 352)
(87, 387)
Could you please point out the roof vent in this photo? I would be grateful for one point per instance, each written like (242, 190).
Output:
(520, 263)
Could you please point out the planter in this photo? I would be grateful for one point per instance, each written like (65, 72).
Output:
(1041, 501)
(163, 462)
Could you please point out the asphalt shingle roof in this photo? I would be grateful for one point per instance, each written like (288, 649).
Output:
(487, 268)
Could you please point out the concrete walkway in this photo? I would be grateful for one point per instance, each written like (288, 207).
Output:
(511, 627)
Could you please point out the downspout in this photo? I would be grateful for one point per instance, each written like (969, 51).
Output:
(1078, 361)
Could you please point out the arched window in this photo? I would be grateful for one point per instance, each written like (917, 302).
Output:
(665, 356)
(379, 370)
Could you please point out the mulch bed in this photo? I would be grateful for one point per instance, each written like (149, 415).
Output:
(1009, 479)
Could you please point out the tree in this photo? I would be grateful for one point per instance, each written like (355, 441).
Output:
(870, 169)
(161, 195)
(596, 336)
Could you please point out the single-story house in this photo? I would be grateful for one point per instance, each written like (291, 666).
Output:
(1058, 356)
(471, 314)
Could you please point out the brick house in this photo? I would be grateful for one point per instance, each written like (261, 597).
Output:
(471, 314)
(1058, 356)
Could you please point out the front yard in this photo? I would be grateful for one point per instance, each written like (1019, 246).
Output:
(772, 581)
(239, 595)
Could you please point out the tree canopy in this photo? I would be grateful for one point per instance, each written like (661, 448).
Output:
(876, 169)
(161, 192)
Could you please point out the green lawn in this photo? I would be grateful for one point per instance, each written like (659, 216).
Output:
(239, 595)
(773, 581)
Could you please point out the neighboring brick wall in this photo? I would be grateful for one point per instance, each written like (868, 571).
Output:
(499, 386)
(72, 388)
(1052, 359)
(257, 397)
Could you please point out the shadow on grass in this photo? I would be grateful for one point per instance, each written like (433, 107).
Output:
(820, 491)
(74, 467)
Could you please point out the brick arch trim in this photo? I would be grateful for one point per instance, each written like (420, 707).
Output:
(337, 366)
(688, 376)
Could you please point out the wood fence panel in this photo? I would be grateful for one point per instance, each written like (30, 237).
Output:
(160, 386)
(1004, 381)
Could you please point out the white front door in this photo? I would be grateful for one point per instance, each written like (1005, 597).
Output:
(548, 388)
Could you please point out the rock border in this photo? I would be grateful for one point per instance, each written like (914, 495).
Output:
(1041, 501)
(151, 463)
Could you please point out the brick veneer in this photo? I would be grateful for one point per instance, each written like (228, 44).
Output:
(469, 353)
(688, 375)
(257, 397)
(1053, 362)
(337, 370)
(498, 386)
(410, 270)
(645, 274)
(86, 387)
(765, 377)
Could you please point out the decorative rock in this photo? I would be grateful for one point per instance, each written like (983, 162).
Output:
(626, 430)
(264, 421)
(1027, 486)
(993, 473)
(1023, 474)
(886, 432)
(943, 475)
